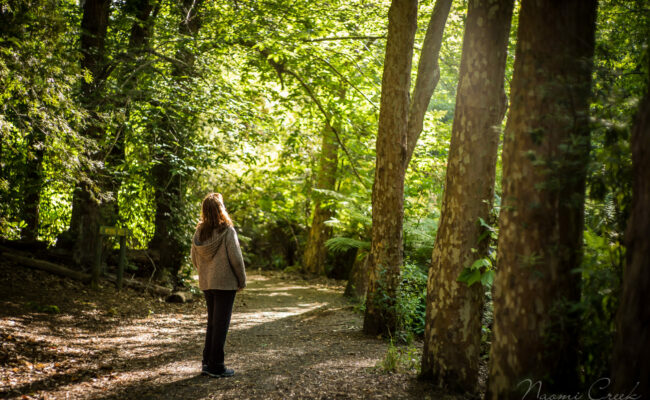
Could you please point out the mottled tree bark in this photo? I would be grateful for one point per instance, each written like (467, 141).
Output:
(453, 319)
(315, 251)
(385, 258)
(631, 355)
(545, 156)
(87, 214)
(388, 189)
(169, 186)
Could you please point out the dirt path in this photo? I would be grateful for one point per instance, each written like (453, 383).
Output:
(289, 338)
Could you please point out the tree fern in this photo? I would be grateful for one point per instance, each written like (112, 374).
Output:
(340, 244)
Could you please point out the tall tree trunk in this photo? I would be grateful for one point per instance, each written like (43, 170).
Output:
(169, 186)
(32, 184)
(87, 214)
(453, 319)
(545, 156)
(315, 251)
(631, 355)
(428, 74)
(143, 24)
(388, 188)
(383, 273)
(145, 13)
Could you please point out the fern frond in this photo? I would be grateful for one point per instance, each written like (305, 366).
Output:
(340, 244)
(331, 194)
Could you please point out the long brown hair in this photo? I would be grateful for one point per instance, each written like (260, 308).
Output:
(213, 216)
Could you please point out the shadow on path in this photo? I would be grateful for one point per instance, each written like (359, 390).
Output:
(288, 339)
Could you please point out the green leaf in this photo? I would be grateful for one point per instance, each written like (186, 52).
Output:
(481, 262)
(484, 224)
(487, 278)
(469, 276)
(474, 277)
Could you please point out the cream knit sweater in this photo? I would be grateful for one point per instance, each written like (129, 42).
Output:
(219, 261)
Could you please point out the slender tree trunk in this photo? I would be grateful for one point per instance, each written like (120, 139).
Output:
(169, 200)
(143, 24)
(545, 156)
(87, 214)
(453, 320)
(32, 185)
(428, 74)
(385, 259)
(631, 355)
(145, 13)
(388, 189)
(315, 251)
(169, 186)
(357, 285)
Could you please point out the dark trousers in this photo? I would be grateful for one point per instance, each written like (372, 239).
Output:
(219, 312)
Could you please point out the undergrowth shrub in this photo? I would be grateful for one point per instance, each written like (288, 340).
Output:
(601, 272)
(409, 306)
(400, 359)
(411, 302)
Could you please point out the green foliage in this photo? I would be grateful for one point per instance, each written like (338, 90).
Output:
(620, 72)
(409, 304)
(601, 272)
(246, 122)
(238, 124)
(411, 301)
(11, 229)
(400, 359)
(55, 209)
(39, 112)
(483, 269)
(341, 244)
(419, 236)
(44, 308)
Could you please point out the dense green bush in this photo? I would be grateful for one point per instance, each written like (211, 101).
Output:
(411, 300)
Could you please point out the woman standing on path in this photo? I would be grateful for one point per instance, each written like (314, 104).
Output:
(216, 255)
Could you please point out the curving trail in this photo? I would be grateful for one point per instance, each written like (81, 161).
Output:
(289, 338)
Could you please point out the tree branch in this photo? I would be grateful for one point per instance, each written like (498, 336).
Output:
(332, 38)
(312, 95)
(280, 69)
(347, 81)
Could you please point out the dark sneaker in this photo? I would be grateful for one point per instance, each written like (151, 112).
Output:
(204, 370)
(223, 374)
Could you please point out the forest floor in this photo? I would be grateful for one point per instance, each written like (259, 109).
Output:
(289, 338)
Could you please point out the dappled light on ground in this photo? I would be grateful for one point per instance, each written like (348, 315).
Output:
(289, 338)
